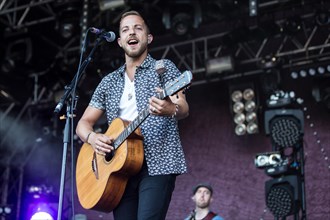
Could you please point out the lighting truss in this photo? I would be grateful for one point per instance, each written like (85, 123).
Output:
(294, 50)
(17, 15)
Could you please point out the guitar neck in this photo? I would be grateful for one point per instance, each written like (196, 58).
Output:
(133, 125)
(170, 88)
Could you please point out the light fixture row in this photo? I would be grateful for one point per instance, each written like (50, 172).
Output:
(310, 72)
(244, 110)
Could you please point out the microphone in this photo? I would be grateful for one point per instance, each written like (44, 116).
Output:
(108, 36)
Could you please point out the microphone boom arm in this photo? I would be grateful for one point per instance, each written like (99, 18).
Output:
(68, 88)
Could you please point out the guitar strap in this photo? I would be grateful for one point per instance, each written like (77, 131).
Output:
(209, 216)
(160, 69)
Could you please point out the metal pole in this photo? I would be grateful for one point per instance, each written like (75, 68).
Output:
(20, 191)
(5, 178)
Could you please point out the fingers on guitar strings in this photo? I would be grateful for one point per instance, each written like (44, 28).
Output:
(97, 148)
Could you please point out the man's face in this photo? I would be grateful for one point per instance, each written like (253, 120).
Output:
(202, 197)
(133, 36)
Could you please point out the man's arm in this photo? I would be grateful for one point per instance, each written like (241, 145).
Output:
(86, 123)
(100, 142)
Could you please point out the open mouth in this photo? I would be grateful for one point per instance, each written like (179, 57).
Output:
(132, 42)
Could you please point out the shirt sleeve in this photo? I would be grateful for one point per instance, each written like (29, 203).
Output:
(171, 72)
(98, 98)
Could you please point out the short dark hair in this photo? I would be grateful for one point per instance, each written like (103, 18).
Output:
(206, 185)
(132, 12)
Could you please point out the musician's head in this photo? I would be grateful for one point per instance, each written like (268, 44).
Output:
(134, 34)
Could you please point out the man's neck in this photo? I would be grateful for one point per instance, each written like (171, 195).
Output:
(132, 63)
(200, 213)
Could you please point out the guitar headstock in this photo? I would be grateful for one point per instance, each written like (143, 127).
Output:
(183, 81)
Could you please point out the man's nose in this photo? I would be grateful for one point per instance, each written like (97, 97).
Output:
(131, 31)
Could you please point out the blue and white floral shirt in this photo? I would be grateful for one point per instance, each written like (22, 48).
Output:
(162, 146)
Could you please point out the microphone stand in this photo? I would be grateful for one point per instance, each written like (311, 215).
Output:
(65, 100)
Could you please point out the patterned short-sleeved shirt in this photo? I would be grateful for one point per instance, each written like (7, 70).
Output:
(162, 146)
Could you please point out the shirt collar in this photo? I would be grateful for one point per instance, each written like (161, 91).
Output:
(145, 64)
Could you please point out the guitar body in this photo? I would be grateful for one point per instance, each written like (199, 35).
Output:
(100, 181)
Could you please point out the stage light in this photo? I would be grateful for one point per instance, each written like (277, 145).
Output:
(240, 129)
(42, 216)
(303, 73)
(181, 23)
(283, 195)
(236, 96)
(294, 75)
(292, 25)
(238, 107)
(269, 62)
(182, 17)
(251, 116)
(253, 7)
(248, 94)
(244, 108)
(285, 127)
(18, 55)
(68, 21)
(110, 4)
(312, 71)
(280, 98)
(219, 65)
(321, 70)
(250, 106)
(5, 210)
(263, 160)
(239, 118)
(322, 18)
(252, 128)
(285, 132)
(40, 203)
(67, 30)
(42, 210)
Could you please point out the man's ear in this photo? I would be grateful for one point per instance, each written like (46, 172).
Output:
(150, 38)
(118, 41)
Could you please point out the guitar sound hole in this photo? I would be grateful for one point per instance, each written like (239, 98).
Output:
(109, 156)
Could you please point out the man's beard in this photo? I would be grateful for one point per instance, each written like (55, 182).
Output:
(203, 205)
(136, 53)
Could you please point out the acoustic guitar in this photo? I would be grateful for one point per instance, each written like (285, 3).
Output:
(101, 180)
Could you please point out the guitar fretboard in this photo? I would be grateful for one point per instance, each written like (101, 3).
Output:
(133, 125)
